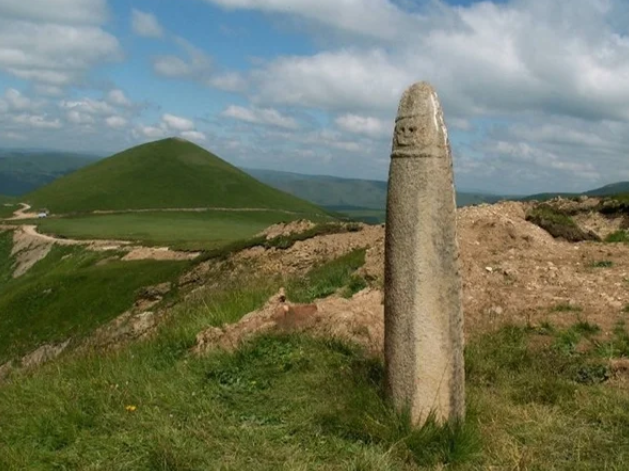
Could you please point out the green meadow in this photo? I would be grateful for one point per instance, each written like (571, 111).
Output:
(293, 402)
(179, 230)
(68, 294)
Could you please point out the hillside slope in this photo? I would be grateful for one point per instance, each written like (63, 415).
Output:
(25, 171)
(169, 173)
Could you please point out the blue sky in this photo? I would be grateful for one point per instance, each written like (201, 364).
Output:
(535, 93)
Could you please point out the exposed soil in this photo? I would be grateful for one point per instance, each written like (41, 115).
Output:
(22, 213)
(512, 271)
(360, 319)
(284, 229)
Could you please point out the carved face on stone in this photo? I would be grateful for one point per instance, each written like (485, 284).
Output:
(412, 132)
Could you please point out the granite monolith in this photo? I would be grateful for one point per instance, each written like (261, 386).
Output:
(423, 312)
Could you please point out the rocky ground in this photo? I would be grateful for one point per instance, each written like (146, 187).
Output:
(512, 271)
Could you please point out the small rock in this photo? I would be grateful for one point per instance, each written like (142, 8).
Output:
(489, 269)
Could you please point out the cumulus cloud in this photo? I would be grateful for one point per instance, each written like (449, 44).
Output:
(152, 132)
(366, 125)
(116, 122)
(228, 81)
(88, 106)
(146, 24)
(177, 122)
(118, 98)
(194, 135)
(37, 121)
(197, 65)
(346, 79)
(57, 11)
(77, 117)
(377, 18)
(27, 51)
(169, 125)
(267, 116)
(15, 100)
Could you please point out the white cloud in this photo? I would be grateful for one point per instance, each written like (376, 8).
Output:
(37, 121)
(378, 18)
(57, 11)
(197, 65)
(152, 132)
(77, 117)
(15, 100)
(116, 122)
(229, 82)
(171, 66)
(194, 135)
(177, 122)
(118, 98)
(88, 105)
(347, 79)
(27, 50)
(267, 116)
(366, 125)
(146, 24)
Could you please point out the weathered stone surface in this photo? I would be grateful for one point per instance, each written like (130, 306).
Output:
(423, 310)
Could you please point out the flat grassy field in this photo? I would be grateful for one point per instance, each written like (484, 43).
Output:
(68, 295)
(535, 400)
(180, 230)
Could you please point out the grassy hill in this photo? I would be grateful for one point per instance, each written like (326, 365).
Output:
(25, 171)
(609, 190)
(169, 173)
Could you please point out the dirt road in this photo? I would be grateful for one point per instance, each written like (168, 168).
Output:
(22, 213)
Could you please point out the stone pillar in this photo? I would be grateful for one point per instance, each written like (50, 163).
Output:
(423, 312)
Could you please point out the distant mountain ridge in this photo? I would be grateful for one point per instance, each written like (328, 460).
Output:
(607, 190)
(337, 192)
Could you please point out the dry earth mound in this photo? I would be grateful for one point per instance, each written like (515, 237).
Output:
(512, 270)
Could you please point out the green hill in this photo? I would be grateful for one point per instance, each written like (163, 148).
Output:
(610, 190)
(169, 173)
(25, 171)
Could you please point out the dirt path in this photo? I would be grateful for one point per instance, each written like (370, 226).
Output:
(22, 213)
(30, 246)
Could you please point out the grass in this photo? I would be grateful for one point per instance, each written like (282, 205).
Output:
(326, 279)
(557, 223)
(602, 264)
(7, 211)
(68, 295)
(293, 402)
(181, 230)
(618, 236)
(566, 308)
(6, 261)
(280, 402)
(289, 401)
(169, 173)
